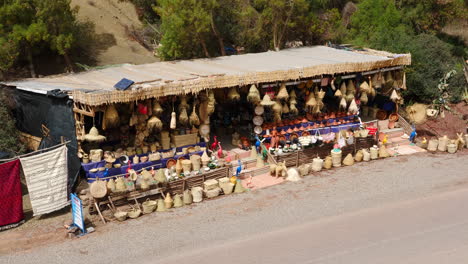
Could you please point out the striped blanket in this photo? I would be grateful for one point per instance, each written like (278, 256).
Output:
(46, 176)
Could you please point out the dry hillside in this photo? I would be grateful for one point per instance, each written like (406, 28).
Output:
(114, 18)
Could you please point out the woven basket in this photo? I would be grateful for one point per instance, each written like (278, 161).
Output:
(374, 153)
(134, 213)
(120, 216)
(443, 142)
(149, 206)
(336, 158)
(317, 164)
(452, 148)
(184, 140)
(432, 145)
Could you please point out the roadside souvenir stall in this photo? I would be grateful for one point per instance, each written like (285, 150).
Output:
(166, 126)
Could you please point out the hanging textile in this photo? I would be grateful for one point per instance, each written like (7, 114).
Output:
(46, 176)
(11, 201)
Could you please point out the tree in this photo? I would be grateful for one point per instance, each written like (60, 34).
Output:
(280, 18)
(30, 27)
(184, 22)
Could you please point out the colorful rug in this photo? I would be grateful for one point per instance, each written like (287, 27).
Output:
(11, 201)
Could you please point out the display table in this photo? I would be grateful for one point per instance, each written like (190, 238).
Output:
(158, 164)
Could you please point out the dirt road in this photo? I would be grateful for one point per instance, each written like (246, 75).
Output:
(336, 199)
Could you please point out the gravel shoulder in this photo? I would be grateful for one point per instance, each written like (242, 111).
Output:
(236, 217)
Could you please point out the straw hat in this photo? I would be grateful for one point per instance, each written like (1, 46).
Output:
(277, 107)
(157, 109)
(254, 95)
(364, 99)
(343, 103)
(394, 96)
(93, 135)
(343, 88)
(98, 188)
(266, 101)
(285, 109)
(416, 113)
(283, 92)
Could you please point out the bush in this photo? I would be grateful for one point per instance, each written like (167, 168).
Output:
(9, 141)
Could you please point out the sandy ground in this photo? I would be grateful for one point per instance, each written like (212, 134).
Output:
(236, 217)
(111, 17)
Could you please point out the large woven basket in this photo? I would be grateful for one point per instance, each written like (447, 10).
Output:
(149, 206)
(184, 140)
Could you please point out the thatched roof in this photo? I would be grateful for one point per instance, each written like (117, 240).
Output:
(191, 76)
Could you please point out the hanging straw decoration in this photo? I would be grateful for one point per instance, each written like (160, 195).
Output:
(157, 109)
(111, 117)
(338, 93)
(254, 95)
(293, 109)
(183, 103)
(266, 101)
(183, 116)
(311, 102)
(233, 95)
(277, 107)
(389, 77)
(283, 92)
(285, 109)
(154, 123)
(332, 84)
(403, 85)
(321, 94)
(350, 88)
(353, 108)
(277, 117)
(364, 87)
(349, 97)
(343, 103)
(364, 99)
(211, 103)
(343, 88)
(194, 120)
(173, 118)
(376, 81)
(394, 96)
(292, 94)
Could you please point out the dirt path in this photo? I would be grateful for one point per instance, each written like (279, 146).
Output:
(365, 185)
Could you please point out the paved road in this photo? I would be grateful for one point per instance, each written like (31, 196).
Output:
(429, 230)
(407, 209)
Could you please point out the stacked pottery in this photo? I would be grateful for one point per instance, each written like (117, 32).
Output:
(365, 155)
(205, 159)
(196, 162)
(187, 166)
(374, 153)
(336, 157)
(443, 142)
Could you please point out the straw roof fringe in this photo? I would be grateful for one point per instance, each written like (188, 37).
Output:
(155, 89)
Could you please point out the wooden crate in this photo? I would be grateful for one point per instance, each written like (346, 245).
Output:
(184, 140)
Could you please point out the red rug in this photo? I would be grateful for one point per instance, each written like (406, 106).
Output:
(11, 201)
